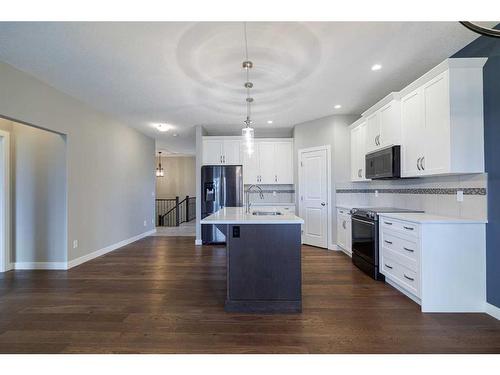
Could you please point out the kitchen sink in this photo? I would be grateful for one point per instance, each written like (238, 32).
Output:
(266, 213)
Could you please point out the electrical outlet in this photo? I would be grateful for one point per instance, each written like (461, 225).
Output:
(274, 193)
(460, 195)
(153, 194)
(75, 244)
(376, 193)
(145, 223)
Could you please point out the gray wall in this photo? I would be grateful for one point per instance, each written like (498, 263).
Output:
(110, 167)
(38, 194)
(200, 132)
(333, 131)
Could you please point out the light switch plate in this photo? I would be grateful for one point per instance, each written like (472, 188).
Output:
(145, 223)
(460, 195)
(376, 193)
(75, 244)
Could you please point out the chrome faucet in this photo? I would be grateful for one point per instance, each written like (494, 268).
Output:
(247, 193)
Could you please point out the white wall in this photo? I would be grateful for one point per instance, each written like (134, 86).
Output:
(110, 167)
(332, 131)
(179, 179)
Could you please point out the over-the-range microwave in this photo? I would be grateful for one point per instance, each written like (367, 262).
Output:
(383, 164)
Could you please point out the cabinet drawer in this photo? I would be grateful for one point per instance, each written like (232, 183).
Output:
(404, 227)
(401, 275)
(406, 248)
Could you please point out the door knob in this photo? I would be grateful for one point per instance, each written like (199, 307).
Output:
(323, 203)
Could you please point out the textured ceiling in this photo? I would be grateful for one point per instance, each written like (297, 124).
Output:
(188, 74)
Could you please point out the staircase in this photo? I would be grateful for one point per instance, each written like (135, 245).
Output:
(172, 212)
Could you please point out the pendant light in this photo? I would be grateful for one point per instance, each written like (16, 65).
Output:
(159, 170)
(248, 132)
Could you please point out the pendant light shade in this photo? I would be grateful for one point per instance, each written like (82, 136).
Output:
(159, 169)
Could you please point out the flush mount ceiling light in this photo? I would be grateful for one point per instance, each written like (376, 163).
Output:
(159, 170)
(247, 132)
(162, 127)
(337, 106)
(376, 67)
(269, 121)
(486, 31)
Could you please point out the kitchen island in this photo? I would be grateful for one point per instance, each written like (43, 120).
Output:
(263, 260)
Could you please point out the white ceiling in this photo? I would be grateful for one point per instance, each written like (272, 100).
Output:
(188, 74)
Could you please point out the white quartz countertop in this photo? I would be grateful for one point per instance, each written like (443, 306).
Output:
(237, 215)
(423, 218)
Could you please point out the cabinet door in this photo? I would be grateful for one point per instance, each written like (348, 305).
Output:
(412, 127)
(251, 166)
(283, 159)
(232, 152)
(390, 124)
(372, 132)
(355, 172)
(212, 152)
(267, 163)
(341, 230)
(348, 234)
(437, 126)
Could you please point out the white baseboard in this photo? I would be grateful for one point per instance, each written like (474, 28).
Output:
(198, 242)
(40, 265)
(85, 258)
(492, 310)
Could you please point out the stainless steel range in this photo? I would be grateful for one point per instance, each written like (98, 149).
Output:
(365, 252)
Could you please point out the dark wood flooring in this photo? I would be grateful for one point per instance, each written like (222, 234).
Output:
(164, 295)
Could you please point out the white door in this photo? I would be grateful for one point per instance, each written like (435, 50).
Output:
(437, 126)
(412, 128)
(212, 152)
(283, 162)
(314, 197)
(232, 152)
(267, 163)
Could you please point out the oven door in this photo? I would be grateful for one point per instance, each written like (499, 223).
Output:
(364, 239)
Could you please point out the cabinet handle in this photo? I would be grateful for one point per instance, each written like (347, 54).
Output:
(422, 163)
(359, 172)
(408, 228)
(221, 159)
(387, 223)
(389, 242)
(275, 178)
(388, 266)
(224, 158)
(344, 225)
(408, 277)
(418, 164)
(410, 250)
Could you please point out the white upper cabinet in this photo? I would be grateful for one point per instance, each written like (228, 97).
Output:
(270, 163)
(383, 124)
(358, 144)
(442, 120)
(221, 151)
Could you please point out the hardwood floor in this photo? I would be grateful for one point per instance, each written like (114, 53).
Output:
(164, 295)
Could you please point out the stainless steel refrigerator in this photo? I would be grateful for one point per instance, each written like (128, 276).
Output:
(221, 186)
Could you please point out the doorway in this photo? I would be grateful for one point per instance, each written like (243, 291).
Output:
(5, 262)
(314, 195)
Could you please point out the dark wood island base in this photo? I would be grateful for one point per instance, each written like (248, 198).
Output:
(263, 268)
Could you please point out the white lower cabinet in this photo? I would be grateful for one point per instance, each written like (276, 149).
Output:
(440, 265)
(344, 237)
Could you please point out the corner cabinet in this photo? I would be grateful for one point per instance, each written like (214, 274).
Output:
(270, 163)
(344, 235)
(221, 150)
(442, 120)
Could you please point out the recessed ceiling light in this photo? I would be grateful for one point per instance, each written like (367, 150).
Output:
(162, 127)
(376, 67)
(337, 106)
(175, 135)
(269, 121)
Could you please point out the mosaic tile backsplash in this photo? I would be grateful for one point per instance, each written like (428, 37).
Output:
(273, 194)
(435, 195)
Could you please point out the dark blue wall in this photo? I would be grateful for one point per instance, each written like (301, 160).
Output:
(490, 47)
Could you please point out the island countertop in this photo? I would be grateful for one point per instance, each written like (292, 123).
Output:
(237, 215)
